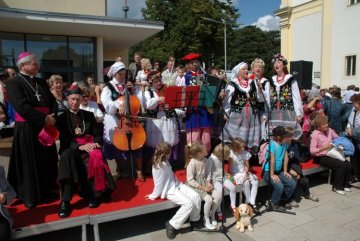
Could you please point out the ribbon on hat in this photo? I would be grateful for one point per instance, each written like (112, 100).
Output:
(236, 69)
(116, 67)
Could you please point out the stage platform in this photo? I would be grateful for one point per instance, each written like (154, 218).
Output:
(126, 201)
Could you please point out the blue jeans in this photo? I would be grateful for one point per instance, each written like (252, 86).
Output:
(287, 185)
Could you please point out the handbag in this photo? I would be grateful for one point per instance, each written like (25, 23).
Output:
(336, 153)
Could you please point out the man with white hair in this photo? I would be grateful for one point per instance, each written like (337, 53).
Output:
(32, 167)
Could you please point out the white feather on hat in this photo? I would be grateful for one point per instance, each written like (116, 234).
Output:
(116, 67)
(236, 69)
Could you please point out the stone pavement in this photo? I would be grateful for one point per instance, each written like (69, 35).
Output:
(335, 217)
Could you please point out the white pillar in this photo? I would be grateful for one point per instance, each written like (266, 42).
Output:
(100, 59)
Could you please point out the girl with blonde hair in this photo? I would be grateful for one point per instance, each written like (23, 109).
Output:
(199, 178)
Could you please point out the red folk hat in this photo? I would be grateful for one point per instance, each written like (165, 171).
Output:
(190, 57)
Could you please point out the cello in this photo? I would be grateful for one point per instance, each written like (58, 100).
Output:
(129, 135)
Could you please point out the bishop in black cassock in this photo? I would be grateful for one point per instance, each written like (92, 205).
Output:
(32, 167)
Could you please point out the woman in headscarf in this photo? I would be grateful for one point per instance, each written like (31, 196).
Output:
(109, 96)
(241, 106)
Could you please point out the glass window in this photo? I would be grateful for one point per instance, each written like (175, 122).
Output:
(47, 47)
(11, 45)
(350, 65)
(81, 52)
(352, 2)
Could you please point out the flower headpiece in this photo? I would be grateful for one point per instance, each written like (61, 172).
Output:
(279, 57)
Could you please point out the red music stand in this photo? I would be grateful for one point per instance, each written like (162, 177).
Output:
(182, 96)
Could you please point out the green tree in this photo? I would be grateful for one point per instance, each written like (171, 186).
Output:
(251, 42)
(185, 30)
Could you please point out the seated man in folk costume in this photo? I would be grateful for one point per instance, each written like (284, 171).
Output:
(82, 168)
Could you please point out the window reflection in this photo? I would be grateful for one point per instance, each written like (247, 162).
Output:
(71, 57)
(11, 45)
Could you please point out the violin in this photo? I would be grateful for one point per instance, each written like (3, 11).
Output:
(129, 134)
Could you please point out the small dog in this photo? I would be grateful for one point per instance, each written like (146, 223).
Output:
(243, 215)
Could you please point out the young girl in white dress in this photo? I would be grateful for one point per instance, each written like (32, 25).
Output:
(240, 174)
(166, 185)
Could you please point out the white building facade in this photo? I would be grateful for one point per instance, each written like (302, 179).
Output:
(325, 32)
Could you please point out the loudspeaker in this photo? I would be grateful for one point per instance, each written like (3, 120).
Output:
(302, 72)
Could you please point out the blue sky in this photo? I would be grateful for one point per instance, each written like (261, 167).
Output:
(260, 12)
(252, 10)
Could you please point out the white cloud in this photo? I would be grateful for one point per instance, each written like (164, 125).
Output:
(268, 23)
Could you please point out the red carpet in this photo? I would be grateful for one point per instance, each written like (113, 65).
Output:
(127, 195)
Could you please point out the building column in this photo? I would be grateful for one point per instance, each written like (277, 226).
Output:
(326, 42)
(100, 59)
(285, 15)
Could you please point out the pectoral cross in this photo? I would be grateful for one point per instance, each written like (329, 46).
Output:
(37, 96)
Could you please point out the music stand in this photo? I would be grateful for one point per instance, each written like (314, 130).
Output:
(183, 97)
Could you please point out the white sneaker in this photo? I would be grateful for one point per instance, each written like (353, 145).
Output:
(347, 189)
(209, 225)
(214, 222)
(341, 192)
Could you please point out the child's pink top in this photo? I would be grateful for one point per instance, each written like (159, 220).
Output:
(319, 139)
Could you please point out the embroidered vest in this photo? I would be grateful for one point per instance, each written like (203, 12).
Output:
(239, 98)
(114, 93)
(282, 99)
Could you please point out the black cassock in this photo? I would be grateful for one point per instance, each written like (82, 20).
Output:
(32, 167)
(73, 168)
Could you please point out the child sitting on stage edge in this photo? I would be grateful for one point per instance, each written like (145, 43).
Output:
(166, 185)
(276, 173)
(215, 166)
(239, 172)
(198, 178)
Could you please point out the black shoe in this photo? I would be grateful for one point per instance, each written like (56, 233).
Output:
(94, 203)
(288, 206)
(255, 209)
(353, 179)
(64, 209)
(197, 224)
(170, 231)
(29, 204)
(277, 207)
